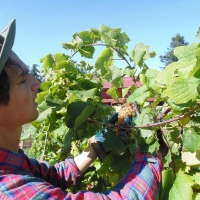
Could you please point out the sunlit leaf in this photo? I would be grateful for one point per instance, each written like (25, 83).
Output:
(182, 187)
(167, 182)
(113, 92)
(140, 95)
(182, 91)
(191, 139)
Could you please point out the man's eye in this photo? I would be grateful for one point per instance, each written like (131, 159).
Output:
(23, 81)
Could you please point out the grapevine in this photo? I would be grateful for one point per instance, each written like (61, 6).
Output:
(71, 109)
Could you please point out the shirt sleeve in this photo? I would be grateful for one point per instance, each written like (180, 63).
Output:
(62, 174)
(142, 182)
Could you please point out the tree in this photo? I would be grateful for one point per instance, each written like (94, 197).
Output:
(169, 56)
(35, 72)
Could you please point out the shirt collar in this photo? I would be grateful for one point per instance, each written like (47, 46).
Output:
(12, 160)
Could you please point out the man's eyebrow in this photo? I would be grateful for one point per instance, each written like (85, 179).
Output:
(24, 71)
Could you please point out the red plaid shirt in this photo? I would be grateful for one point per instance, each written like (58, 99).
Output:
(22, 178)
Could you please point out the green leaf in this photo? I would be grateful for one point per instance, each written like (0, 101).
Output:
(31, 130)
(108, 35)
(113, 142)
(186, 53)
(196, 69)
(85, 37)
(104, 61)
(184, 120)
(48, 62)
(95, 35)
(183, 90)
(85, 114)
(182, 187)
(149, 78)
(67, 65)
(140, 95)
(146, 117)
(130, 71)
(198, 89)
(185, 64)
(45, 85)
(75, 109)
(137, 54)
(167, 182)
(116, 76)
(113, 92)
(59, 57)
(150, 148)
(87, 51)
(191, 140)
(67, 143)
(197, 196)
(83, 95)
(43, 115)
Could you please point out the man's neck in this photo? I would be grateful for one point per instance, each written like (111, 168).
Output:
(10, 138)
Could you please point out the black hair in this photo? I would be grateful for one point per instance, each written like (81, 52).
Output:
(5, 81)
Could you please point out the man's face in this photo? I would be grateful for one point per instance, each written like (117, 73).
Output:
(22, 107)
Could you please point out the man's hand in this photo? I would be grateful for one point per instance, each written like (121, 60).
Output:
(97, 140)
(123, 118)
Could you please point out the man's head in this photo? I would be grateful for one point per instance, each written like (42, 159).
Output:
(18, 88)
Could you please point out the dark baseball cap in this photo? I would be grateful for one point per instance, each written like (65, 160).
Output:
(7, 37)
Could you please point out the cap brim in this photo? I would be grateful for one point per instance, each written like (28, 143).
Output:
(8, 37)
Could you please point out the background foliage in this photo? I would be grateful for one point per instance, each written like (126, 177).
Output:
(71, 109)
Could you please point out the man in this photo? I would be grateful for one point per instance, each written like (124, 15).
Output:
(23, 178)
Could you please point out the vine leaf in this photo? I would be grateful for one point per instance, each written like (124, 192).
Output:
(167, 182)
(104, 61)
(113, 92)
(195, 71)
(182, 187)
(138, 54)
(148, 78)
(67, 65)
(108, 35)
(191, 139)
(184, 120)
(198, 89)
(43, 115)
(185, 64)
(140, 95)
(28, 131)
(113, 142)
(83, 95)
(182, 90)
(75, 109)
(67, 143)
(87, 52)
(48, 62)
(85, 114)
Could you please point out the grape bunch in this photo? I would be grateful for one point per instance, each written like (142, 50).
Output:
(127, 110)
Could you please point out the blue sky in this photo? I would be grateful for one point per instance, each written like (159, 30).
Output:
(43, 25)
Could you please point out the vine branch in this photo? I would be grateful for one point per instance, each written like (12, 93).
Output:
(197, 108)
(97, 44)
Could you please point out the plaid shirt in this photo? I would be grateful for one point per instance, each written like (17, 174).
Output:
(22, 178)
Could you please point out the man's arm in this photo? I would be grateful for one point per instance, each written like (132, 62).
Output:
(85, 159)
